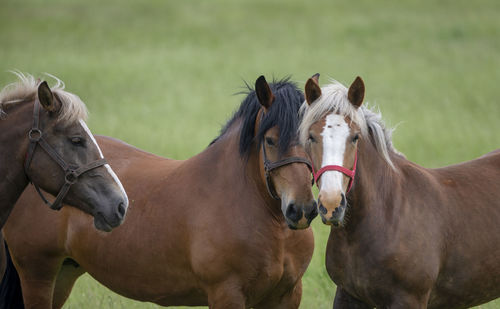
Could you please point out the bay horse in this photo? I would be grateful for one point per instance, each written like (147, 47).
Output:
(402, 236)
(46, 141)
(210, 230)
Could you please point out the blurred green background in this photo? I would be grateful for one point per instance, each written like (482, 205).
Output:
(161, 75)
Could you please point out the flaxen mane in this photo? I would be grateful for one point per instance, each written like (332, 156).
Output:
(25, 89)
(334, 100)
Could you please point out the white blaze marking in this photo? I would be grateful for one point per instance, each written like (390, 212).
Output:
(334, 134)
(108, 168)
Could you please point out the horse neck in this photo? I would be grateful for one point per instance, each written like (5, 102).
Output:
(14, 129)
(373, 193)
(245, 173)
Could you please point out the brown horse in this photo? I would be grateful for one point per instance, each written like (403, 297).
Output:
(204, 231)
(404, 236)
(45, 140)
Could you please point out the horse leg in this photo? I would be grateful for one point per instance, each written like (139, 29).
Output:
(291, 299)
(37, 282)
(66, 278)
(3, 256)
(11, 295)
(344, 300)
(227, 295)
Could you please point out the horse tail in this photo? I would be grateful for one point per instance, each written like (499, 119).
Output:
(11, 296)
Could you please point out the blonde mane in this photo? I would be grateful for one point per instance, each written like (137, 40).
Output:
(334, 100)
(72, 107)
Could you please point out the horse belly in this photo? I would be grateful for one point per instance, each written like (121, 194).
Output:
(162, 288)
(467, 284)
(138, 267)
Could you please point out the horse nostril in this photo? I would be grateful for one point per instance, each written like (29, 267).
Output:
(121, 209)
(322, 209)
(313, 213)
(293, 212)
(342, 202)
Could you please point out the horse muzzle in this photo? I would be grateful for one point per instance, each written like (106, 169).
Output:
(330, 214)
(299, 216)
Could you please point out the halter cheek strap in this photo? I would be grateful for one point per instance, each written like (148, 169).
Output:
(349, 173)
(270, 166)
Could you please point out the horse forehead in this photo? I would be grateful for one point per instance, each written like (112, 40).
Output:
(67, 127)
(335, 126)
(296, 149)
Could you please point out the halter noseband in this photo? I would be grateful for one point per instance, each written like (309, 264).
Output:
(270, 166)
(72, 172)
(349, 173)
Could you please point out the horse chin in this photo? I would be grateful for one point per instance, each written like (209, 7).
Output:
(101, 224)
(297, 225)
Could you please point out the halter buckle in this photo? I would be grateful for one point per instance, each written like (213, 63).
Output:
(35, 135)
(71, 177)
(267, 166)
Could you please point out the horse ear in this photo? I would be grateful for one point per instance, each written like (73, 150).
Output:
(46, 98)
(356, 92)
(313, 91)
(264, 93)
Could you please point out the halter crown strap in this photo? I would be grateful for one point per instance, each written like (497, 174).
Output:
(72, 173)
(349, 173)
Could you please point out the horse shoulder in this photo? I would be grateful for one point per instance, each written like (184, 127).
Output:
(33, 223)
(252, 253)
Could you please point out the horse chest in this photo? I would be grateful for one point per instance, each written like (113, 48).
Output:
(358, 267)
(342, 264)
(276, 275)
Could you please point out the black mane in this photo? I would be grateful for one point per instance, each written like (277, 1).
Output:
(284, 113)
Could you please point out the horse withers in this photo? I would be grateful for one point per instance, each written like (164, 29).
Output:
(45, 141)
(225, 228)
(402, 236)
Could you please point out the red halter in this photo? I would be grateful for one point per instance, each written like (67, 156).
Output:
(338, 168)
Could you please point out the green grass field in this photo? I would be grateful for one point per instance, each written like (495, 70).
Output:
(161, 75)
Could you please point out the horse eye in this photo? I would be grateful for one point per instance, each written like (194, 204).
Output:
(355, 138)
(311, 138)
(270, 141)
(77, 141)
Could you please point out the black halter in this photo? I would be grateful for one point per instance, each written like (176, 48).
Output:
(270, 166)
(72, 172)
